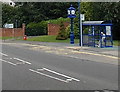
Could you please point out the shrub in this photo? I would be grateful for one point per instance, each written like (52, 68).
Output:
(35, 29)
(58, 21)
(62, 35)
(76, 31)
(86, 30)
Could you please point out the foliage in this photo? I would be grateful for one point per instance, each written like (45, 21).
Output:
(75, 30)
(67, 29)
(62, 35)
(35, 29)
(109, 11)
(86, 30)
(36, 12)
(8, 13)
(58, 20)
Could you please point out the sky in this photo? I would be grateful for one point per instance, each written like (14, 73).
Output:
(6, 0)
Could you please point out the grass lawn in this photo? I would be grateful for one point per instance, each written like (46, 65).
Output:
(50, 39)
(5, 38)
(116, 43)
(47, 38)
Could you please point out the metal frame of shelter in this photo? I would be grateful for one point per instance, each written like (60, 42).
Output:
(92, 34)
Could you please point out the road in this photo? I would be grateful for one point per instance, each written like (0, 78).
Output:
(29, 69)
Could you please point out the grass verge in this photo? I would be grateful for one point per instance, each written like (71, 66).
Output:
(116, 43)
(49, 39)
(5, 38)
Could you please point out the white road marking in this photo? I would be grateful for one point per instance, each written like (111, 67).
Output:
(69, 78)
(3, 54)
(48, 75)
(22, 61)
(8, 62)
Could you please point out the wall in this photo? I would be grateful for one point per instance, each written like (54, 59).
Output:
(53, 29)
(12, 32)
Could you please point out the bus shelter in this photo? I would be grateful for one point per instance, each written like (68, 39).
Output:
(97, 34)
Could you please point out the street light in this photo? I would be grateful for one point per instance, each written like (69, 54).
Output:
(71, 15)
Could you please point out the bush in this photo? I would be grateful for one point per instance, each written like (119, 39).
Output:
(36, 29)
(63, 34)
(76, 31)
(86, 30)
(58, 21)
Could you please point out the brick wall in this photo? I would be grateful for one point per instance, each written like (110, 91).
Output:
(53, 29)
(12, 32)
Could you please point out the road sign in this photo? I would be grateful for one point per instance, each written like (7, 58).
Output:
(9, 26)
(82, 17)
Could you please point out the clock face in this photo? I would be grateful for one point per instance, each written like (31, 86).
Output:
(68, 11)
(73, 12)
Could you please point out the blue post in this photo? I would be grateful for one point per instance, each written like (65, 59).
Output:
(71, 15)
(93, 35)
(104, 42)
(111, 37)
(71, 33)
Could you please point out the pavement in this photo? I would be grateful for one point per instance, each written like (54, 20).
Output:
(112, 51)
(73, 51)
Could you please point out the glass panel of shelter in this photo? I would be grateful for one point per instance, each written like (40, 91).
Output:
(93, 36)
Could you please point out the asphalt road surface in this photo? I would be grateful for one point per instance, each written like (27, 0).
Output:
(27, 69)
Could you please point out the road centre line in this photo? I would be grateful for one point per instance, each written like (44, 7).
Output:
(59, 74)
(114, 57)
(48, 76)
(8, 62)
(3, 54)
(22, 61)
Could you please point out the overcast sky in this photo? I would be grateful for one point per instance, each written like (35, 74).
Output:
(5, 0)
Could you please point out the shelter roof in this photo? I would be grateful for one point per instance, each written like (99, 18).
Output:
(96, 23)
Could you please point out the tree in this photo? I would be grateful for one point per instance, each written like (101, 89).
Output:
(36, 12)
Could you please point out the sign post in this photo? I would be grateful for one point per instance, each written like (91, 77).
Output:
(81, 17)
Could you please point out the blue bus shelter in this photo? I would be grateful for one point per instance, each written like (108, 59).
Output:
(97, 34)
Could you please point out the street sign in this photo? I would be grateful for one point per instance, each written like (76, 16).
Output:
(82, 17)
(9, 26)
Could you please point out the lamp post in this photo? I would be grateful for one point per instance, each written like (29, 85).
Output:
(71, 15)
